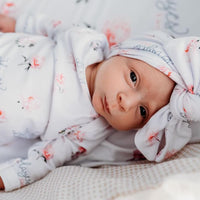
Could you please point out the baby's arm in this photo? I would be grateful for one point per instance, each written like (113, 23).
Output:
(37, 24)
(45, 156)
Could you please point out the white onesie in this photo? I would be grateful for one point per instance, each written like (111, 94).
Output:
(44, 93)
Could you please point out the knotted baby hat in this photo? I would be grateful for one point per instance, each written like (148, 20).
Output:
(169, 129)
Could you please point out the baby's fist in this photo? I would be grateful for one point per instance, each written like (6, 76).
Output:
(1, 184)
(7, 24)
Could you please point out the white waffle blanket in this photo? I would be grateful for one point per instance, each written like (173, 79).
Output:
(174, 179)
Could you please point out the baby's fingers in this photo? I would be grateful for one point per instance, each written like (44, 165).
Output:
(7, 24)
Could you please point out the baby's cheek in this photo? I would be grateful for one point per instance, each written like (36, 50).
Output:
(123, 124)
(97, 103)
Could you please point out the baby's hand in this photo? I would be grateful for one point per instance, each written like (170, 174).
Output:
(1, 184)
(7, 24)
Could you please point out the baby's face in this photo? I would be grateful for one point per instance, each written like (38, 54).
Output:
(127, 92)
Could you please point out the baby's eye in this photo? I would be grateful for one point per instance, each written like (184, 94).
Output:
(133, 77)
(143, 112)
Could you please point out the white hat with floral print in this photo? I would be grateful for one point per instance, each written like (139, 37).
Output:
(169, 129)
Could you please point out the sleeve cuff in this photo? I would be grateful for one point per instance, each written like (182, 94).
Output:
(22, 23)
(10, 179)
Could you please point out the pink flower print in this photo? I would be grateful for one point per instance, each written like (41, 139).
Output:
(153, 138)
(185, 114)
(80, 151)
(60, 79)
(165, 70)
(59, 82)
(74, 133)
(111, 37)
(192, 46)
(56, 23)
(25, 42)
(188, 46)
(48, 152)
(191, 89)
(29, 103)
(116, 31)
(8, 7)
(36, 62)
(2, 115)
(33, 63)
(78, 135)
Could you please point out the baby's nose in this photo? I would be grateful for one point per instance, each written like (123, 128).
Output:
(127, 101)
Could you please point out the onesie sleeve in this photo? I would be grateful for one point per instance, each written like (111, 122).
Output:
(45, 156)
(40, 25)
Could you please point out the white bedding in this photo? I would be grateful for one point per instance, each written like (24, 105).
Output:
(118, 19)
(121, 17)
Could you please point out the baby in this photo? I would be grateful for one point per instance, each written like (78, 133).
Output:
(68, 88)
